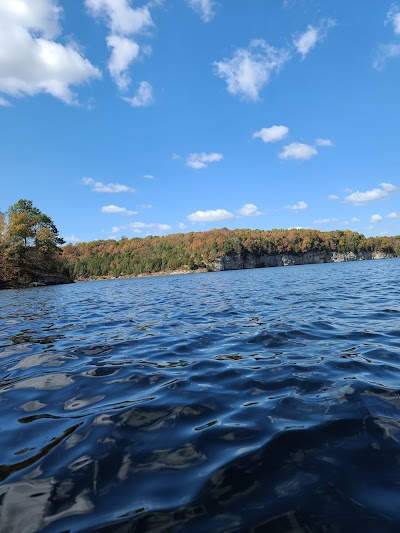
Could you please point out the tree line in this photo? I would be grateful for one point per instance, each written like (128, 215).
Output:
(199, 250)
(29, 245)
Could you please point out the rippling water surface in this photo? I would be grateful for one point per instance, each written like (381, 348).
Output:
(264, 400)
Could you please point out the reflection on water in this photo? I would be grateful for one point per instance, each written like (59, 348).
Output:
(264, 400)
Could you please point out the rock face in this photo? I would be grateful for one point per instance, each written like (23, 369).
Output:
(240, 261)
(36, 280)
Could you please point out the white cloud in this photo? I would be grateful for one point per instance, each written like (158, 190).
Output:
(181, 225)
(175, 157)
(205, 8)
(297, 207)
(298, 151)
(4, 102)
(393, 17)
(385, 53)
(249, 210)
(323, 142)
(123, 21)
(393, 215)
(354, 219)
(116, 209)
(143, 96)
(325, 220)
(121, 18)
(146, 206)
(148, 177)
(333, 197)
(376, 218)
(116, 229)
(201, 160)
(142, 225)
(98, 186)
(31, 61)
(249, 70)
(359, 198)
(124, 51)
(210, 215)
(272, 134)
(306, 41)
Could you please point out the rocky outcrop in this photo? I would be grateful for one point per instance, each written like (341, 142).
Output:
(36, 279)
(240, 261)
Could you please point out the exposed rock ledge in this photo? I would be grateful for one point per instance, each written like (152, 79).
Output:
(239, 261)
(35, 280)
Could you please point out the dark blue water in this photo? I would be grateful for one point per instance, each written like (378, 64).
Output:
(258, 400)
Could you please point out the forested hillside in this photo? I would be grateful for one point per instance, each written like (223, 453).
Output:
(30, 248)
(192, 251)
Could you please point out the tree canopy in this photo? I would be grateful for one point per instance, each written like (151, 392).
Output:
(29, 243)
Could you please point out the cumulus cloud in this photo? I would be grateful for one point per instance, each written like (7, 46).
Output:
(205, 8)
(298, 151)
(333, 197)
(249, 210)
(31, 61)
(298, 207)
(272, 134)
(201, 160)
(143, 96)
(98, 186)
(249, 70)
(393, 215)
(385, 53)
(359, 198)
(124, 51)
(118, 210)
(393, 17)
(306, 41)
(123, 22)
(376, 218)
(210, 215)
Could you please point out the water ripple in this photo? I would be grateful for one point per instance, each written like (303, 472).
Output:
(264, 400)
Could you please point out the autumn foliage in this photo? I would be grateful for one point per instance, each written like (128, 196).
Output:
(138, 256)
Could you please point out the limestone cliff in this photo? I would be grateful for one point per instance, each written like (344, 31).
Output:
(240, 261)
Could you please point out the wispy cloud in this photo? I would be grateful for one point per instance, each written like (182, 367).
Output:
(148, 177)
(143, 97)
(118, 210)
(325, 220)
(306, 41)
(393, 17)
(205, 8)
(359, 198)
(249, 210)
(272, 134)
(201, 160)
(298, 207)
(4, 102)
(249, 70)
(98, 186)
(210, 215)
(393, 215)
(385, 53)
(333, 197)
(323, 142)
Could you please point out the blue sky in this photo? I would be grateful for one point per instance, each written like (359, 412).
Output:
(121, 117)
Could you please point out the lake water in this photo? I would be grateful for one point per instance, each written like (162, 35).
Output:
(256, 400)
